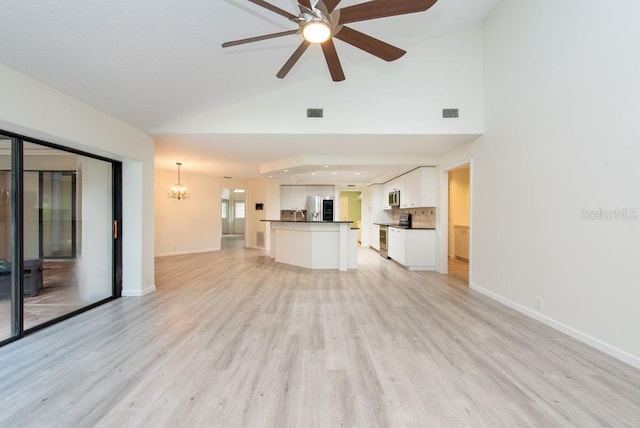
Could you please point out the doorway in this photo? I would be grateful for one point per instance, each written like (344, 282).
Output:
(351, 209)
(233, 218)
(459, 189)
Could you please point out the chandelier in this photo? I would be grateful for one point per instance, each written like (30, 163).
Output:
(178, 191)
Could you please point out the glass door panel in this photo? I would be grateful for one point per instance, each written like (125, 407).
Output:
(68, 244)
(6, 242)
(58, 208)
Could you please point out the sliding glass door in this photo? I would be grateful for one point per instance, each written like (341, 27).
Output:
(68, 256)
(6, 242)
(66, 232)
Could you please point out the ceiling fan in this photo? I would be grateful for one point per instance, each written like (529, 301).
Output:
(319, 22)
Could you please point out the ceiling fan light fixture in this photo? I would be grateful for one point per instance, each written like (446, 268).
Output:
(316, 31)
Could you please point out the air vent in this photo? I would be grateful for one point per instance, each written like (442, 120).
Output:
(450, 113)
(315, 112)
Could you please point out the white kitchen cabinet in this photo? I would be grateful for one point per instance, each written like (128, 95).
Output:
(428, 186)
(396, 244)
(378, 200)
(374, 238)
(419, 188)
(413, 248)
(286, 198)
(295, 197)
(324, 191)
(461, 242)
(410, 197)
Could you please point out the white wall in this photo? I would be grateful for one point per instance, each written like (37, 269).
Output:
(562, 102)
(38, 111)
(258, 192)
(193, 225)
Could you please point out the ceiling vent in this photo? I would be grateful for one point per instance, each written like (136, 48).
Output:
(450, 113)
(315, 112)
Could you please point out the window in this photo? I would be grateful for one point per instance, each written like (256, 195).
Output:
(239, 208)
(224, 209)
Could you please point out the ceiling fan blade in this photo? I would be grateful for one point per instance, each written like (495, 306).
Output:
(258, 38)
(331, 55)
(292, 60)
(273, 8)
(382, 8)
(369, 44)
(331, 4)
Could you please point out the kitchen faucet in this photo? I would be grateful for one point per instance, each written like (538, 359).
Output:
(295, 214)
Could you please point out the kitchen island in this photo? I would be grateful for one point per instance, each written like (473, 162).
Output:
(314, 244)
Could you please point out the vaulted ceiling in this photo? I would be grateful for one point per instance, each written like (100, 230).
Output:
(159, 65)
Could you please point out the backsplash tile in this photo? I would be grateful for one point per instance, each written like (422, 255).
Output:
(288, 215)
(420, 217)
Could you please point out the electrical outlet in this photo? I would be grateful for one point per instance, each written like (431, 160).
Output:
(539, 305)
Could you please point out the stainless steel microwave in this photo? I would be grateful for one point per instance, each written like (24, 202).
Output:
(394, 198)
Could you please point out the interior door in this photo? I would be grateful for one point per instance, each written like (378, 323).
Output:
(239, 215)
(225, 216)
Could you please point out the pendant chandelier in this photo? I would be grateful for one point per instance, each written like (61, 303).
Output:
(178, 191)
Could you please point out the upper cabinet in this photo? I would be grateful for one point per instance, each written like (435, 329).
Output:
(428, 186)
(417, 188)
(295, 197)
(378, 201)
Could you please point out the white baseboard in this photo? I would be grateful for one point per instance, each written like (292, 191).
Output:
(182, 253)
(138, 293)
(568, 330)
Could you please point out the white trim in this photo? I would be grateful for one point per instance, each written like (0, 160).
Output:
(139, 293)
(182, 253)
(576, 334)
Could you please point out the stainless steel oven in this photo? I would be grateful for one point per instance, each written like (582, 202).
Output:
(383, 241)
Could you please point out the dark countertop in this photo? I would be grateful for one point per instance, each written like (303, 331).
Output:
(308, 222)
(405, 227)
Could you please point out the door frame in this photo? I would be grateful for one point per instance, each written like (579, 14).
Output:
(17, 219)
(443, 223)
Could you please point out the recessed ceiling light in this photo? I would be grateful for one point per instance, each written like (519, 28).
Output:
(357, 173)
(313, 173)
(286, 170)
(326, 166)
(335, 173)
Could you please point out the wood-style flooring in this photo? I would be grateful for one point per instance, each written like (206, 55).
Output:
(459, 268)
(233, 339)
(57, 297)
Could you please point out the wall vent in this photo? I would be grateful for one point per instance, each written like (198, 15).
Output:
(260, 239)
(315, 112)
(450, 113)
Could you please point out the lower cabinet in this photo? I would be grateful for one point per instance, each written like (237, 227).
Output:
(413, 248)
(374, 238)
(396, 245)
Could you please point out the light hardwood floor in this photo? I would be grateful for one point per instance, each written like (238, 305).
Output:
(459, 269)
(233, 339)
